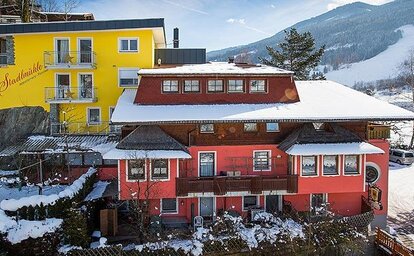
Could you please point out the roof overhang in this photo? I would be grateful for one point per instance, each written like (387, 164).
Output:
(355, 148)
(123, 154)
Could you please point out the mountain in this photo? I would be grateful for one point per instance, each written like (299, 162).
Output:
(351, 33)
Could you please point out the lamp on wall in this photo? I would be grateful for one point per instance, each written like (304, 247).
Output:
(182, 202)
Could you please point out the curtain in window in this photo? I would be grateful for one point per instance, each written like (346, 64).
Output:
(206, 164)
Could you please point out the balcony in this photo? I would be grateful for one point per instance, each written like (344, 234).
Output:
(84, 128)
(220, 185)
(68, 94)
(378, 131)
(70, 60)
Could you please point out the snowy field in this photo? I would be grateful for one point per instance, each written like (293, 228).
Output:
(382, 66)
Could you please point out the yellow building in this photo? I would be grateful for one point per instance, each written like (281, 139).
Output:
(75, 70)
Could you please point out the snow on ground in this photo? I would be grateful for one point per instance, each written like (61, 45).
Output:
(32, 229)
(382, 66)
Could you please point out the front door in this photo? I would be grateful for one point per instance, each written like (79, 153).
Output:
(85, 47)
(86, 84)
(207, 165)
(206, 206)
(272, 203)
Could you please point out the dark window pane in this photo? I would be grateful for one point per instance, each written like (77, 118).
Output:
(169, 205)
(136, 169)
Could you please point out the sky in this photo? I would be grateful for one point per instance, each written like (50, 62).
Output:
(216, 24)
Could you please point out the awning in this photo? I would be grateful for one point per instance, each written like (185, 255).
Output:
(119, 154)
(356, 148)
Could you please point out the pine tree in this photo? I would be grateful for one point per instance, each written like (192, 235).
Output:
(75, 229)
(297, 53)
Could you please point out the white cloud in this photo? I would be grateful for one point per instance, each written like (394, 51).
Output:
(273, 6)
(336, 3)
(239, 21)
(242, 22)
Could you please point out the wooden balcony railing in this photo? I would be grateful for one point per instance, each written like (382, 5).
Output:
(378, 131)
(390, 245)
(220, 185)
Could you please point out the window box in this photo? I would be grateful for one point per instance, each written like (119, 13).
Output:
(170, 86)
(330, 165)
(128, 45)
(215, 86)
(235, 86)
(258, 86)
(309, 166)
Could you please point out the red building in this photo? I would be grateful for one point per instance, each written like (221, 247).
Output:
(200, 139)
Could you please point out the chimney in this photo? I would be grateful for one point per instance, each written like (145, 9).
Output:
(176, 40)
(231, 59)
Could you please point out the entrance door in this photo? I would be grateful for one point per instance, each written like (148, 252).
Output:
(62, 51)
(206, 206)
(85, 48)
(63, 86)
(318, 204)
(206, 167)
(272, 203)
(86, 84)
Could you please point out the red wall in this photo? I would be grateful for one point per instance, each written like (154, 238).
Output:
(107, 173)
(280, 89)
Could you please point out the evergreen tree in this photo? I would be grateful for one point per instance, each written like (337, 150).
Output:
(297, 53)
(75, 229)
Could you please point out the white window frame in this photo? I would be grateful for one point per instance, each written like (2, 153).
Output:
(215, 85)
(55, 49)
(128, 69)
(256, 91)
(79, 83)
(214, 204)
(88, 117)
(359, 163)
(168, 170)
(278, 127)
(234, 91)
(257, 202)
(215, 162)
(338, 170)
(269, 160)
(79, 50)
(170, 80)
(120, 39)
(176, 207)
(201, 131)
(316, 167)
(191, 86)
(127, 168)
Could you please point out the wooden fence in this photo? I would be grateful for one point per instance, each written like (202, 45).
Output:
(390, 245)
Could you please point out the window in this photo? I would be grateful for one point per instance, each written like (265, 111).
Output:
(261, 160)
(128, 77)
(258, 86)
(215, 86)
(63, 87)
(159, 169)
(250, 127)
(169, 205)
(62, 51)
(191, 86)
(319, 204)
(309, 166)
(351, 165)
(170, 86)
(206, 128)
(85, 50)
(330, 165)
(249, 202)
(272, 127)
(94, 115)
(128, 44)
(235, 86)
(3, 53)
(136, 169)
(206, 166)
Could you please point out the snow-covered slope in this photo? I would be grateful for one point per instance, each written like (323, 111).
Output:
(382, 66)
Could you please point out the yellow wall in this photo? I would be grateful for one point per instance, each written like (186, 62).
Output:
(30, 48)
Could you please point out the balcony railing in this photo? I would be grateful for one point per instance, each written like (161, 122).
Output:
(84, 128)
(68, 94)
(222, 185)
(3, 59)
(378, 131)
(70, 59)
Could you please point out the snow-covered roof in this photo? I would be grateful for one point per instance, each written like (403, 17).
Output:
(334, 149)
(217, 68)
(119, 154)
(319, 101)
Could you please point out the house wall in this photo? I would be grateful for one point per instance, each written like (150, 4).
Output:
(280, 89)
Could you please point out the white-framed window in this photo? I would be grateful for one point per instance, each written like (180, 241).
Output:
(128, 77)
(191, 86)
(261, 160)
(235, 86)
(170, 86)
(169, 205)
(272, 127)
(250, 127)
(309, 164)
(330, 165)
(206, 128)
(215, 86)
(258, 86)
(250, 202)
(128, 44)
(136, 169)
(94, 116)
(351, 165)
(159, 169)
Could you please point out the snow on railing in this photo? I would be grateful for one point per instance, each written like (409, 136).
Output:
(37, 200)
